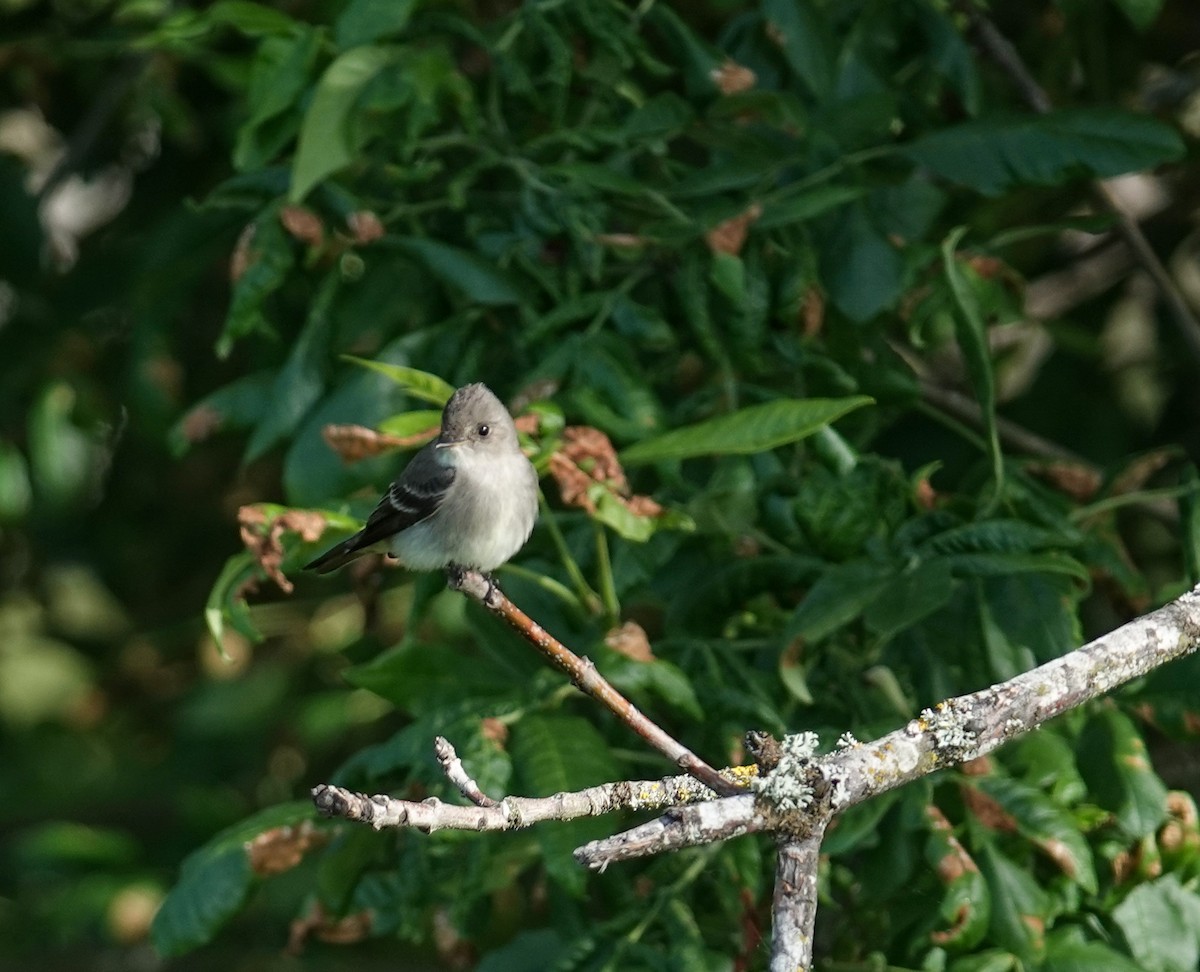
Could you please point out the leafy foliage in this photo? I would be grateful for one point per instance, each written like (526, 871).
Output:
(749, 249)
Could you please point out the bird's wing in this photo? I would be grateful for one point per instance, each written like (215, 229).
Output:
(414, 497)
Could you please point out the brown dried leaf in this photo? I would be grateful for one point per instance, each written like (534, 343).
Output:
(201, 422)
(979, 766)
(587, 457)
(591, 449)
(987, 811)
(630, 640)
(812, 312)
(1134, 476)
(355, 442)
(925, 495)
(326, 928)
(365, 227)
(957, 861)
(243, 256)
(644, 506)
(621, 240)
(263, 537)
(1060, 853)
(529, 423)
(730, 236)
(1078, 481)
(303, 224)
(572, 481)
(282, 848)
(733, 78)
(494, 730)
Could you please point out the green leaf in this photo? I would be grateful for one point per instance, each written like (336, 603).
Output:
(528, 950)
(993, 960)
(1021, 909)
(841, 595)
(299, 383)
(807, 43)
(858, 827)
(278, 77)
(972, 339)
(994, 536)
(1113, 762)
(365, 21)
(420, 384)
(1047, 824)
(962, 916)
(788, 210)
(1141, 13)
(993, 154)
(62, 456)
(15, 491)
(1070, 956)
(753, 429)
(910, 597)
(239, 405)
(625, 523)
(1160, 921)
(552, 754)
(657, 677)
(412, 423)
(463, 270)
(253, 19)
(863, 271)
(1000, 564)
(226, 605)
(326, 142)
(660, 116)
(420, 678)
(214, 881)
(270, 259)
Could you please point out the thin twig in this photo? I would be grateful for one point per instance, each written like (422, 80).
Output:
(1004, 54)
(1016, 437)
(587, 679)
(457, 774)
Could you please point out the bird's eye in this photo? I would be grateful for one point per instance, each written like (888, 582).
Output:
(483, 431)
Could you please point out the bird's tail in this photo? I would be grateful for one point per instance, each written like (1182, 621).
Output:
(338, 556)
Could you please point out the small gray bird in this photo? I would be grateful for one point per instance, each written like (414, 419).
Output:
(468, 499)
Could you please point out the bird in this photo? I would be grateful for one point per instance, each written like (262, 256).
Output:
(467, 500)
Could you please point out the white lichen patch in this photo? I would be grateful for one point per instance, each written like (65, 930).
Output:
(786, 787)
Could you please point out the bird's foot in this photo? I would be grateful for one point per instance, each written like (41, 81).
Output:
(466, 579)
(493, 595)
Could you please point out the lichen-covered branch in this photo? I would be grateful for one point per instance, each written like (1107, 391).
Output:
(802, 791)
(794, 905)
(511, 813)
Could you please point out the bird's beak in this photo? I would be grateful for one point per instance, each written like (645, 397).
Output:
(447, 443)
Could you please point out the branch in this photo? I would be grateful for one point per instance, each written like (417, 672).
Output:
(1002, 52)
(794, 907)
(511, 813)
(690, 826)
(800, 794)
(584, 676)
(970, 726)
